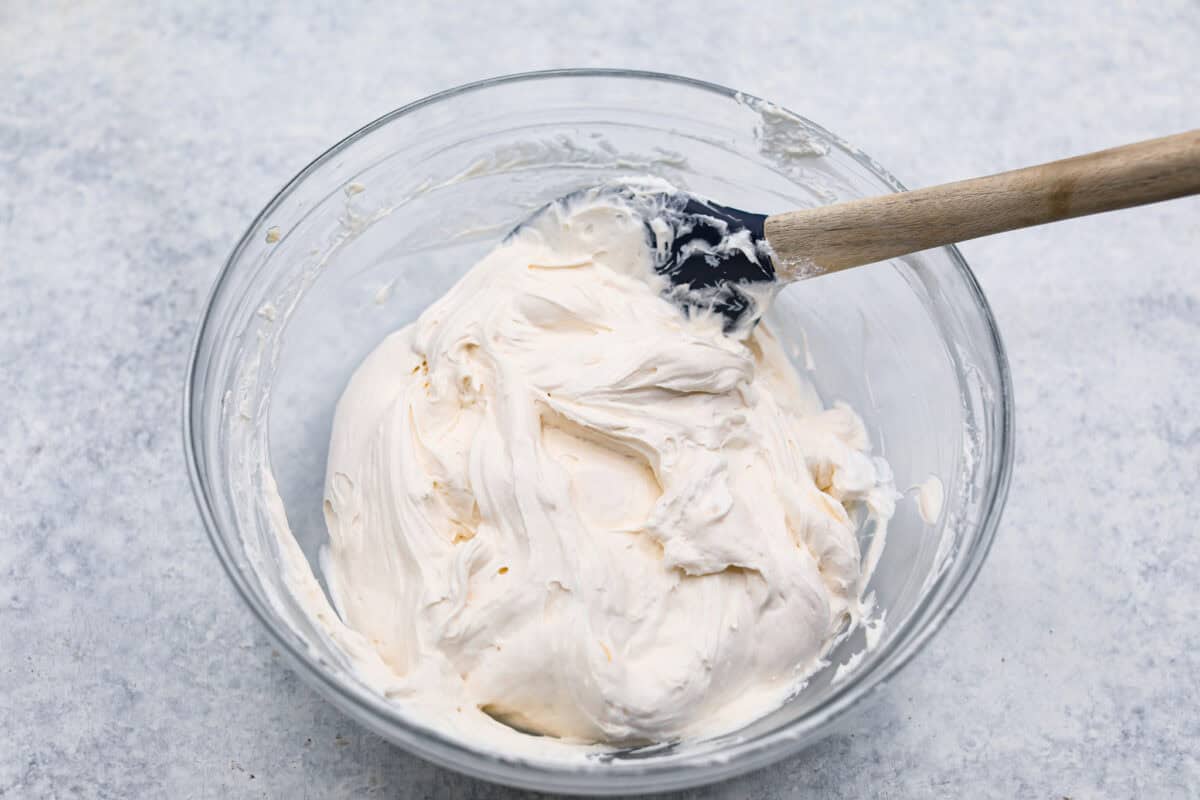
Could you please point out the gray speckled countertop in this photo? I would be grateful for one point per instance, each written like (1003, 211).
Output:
(136, 145)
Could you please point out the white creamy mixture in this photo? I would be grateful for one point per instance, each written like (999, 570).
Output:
(557, 504)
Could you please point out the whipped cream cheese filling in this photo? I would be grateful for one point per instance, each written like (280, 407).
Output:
(559, 505)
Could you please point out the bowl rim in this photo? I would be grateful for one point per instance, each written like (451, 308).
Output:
(738, 758)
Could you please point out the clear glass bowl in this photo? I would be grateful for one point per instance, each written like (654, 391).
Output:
(357, 244)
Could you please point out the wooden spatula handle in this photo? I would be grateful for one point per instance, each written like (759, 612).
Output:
(862, 231)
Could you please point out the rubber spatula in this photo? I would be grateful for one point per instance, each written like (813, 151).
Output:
(803, 244)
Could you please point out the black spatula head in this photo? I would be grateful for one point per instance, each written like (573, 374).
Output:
(715, 257)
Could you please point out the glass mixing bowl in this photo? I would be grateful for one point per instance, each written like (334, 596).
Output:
(362, 240)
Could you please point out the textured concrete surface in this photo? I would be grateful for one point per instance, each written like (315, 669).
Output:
(136, 144)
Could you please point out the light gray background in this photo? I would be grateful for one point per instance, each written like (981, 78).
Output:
(136, 144)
